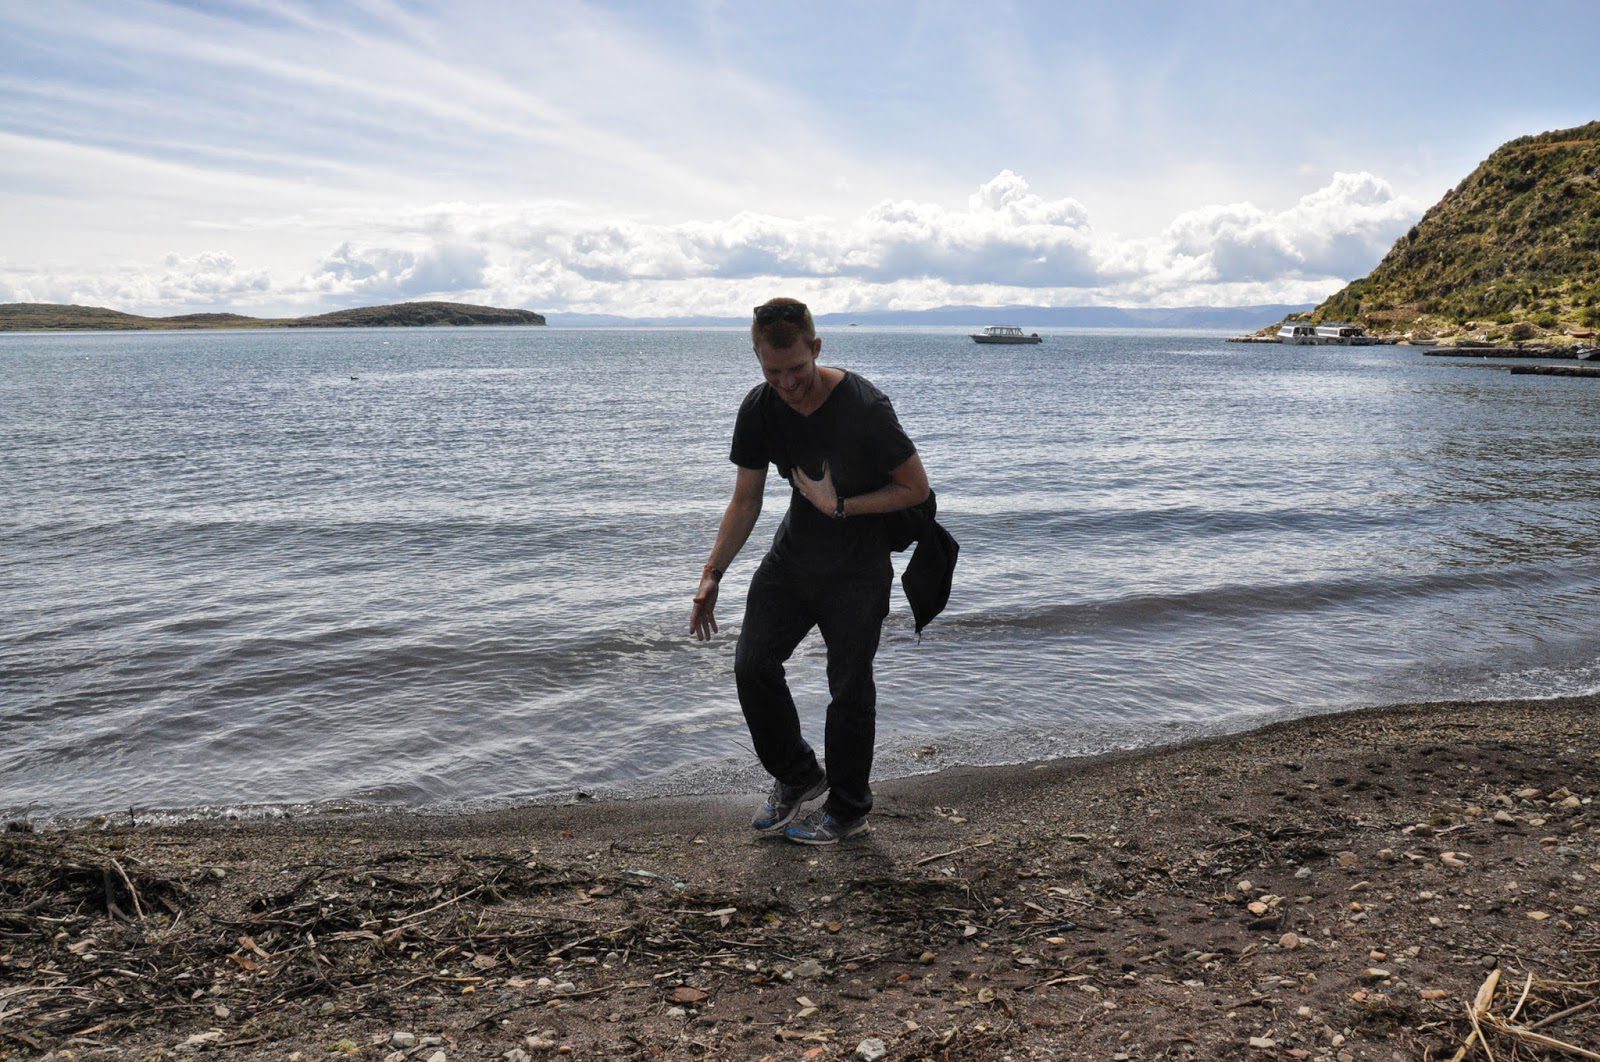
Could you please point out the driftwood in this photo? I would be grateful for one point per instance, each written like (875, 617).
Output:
(1508, 1032)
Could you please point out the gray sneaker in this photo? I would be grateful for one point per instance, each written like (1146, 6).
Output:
(820, 827)
(784, 804)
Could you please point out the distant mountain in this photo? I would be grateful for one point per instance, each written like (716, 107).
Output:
(417, 314)
(46, 316)
(1512, 252)
(1220, 317)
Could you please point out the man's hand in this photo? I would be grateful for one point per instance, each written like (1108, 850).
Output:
(818, 492)
(702, 621)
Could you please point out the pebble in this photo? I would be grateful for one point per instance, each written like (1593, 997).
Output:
(1263, 1043)
(540, 1043)
(808, 968)
(517, 1054)
(871, 1049)
(1289, 941)
(1348, 859)
(1505, 818)
(1303, 872)
(437, 1056)
(401, 1038)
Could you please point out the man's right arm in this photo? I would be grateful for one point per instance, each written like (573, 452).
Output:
(737, 522)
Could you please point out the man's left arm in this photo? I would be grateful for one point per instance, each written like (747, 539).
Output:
(907, 486)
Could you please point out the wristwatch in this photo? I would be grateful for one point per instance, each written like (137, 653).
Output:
(838, 507)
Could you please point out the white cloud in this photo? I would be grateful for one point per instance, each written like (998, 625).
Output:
(1340, 230)
(206, 280)
(390, 273)
(1005, 244)
(209, 275)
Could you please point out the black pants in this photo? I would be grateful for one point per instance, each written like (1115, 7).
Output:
(782, 608)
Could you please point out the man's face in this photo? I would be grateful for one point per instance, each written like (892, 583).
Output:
(792, 370)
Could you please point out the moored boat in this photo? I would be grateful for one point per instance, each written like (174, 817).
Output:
(1344, 335)
(1300, 334)
(1005, 334)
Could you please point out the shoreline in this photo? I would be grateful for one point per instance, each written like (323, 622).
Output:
(653, 790)
(1286, 884)
(713, 779)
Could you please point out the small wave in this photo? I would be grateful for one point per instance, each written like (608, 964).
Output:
(1166, 523)
(1255, 599)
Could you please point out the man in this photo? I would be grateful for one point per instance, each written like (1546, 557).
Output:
(836, 439)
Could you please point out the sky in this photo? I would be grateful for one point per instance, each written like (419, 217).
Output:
(653, 159)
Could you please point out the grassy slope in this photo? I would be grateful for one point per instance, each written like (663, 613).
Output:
(1516, 245)
(39, 316)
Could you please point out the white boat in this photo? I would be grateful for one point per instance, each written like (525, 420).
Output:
(1005, 334)
(1344, 335)
(1299, 334)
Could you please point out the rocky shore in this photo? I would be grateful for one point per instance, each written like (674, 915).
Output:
(1405, 882)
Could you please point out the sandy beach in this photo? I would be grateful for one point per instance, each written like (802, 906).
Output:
(1339, 887)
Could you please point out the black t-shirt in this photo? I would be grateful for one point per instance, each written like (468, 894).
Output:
(856, 432)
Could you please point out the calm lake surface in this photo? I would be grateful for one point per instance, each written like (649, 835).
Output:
(447, 568)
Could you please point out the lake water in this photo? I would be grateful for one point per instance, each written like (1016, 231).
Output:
(447, 568)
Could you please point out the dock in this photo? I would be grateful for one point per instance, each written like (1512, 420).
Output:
(1501, 352)
(1555, 370)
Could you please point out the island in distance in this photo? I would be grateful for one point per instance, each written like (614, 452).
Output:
(52, 317)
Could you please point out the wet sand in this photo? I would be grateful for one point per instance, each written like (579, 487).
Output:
(1336, 887)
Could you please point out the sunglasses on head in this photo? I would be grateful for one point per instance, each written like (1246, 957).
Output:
(794, 312)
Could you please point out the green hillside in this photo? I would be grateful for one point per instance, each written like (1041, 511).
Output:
(46, 316)
(1512, 252)
(416, 314)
